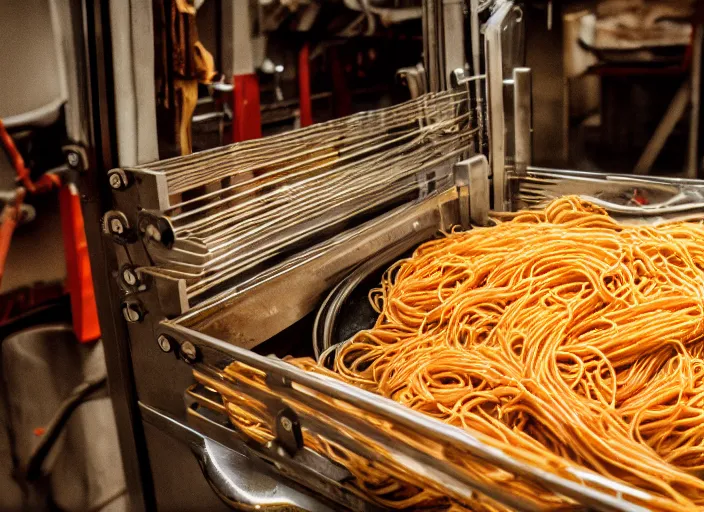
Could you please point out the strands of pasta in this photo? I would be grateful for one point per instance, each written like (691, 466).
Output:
(561, 333)
(560, 330)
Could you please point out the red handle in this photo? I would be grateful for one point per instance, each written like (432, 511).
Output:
(78, 273)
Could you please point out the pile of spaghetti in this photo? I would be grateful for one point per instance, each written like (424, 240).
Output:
(561, 332)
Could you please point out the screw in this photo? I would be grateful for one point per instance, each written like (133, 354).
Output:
(286, 424)
(73, 159)
(115, 181)
(131, 313)
(129, 277)
(164, 343)
(116, 226)
(189, 350)
(153, 232)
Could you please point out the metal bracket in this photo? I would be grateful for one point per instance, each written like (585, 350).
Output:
(152, 186)
(76, 157)
(116, 225)
(522, 119)
(119, 179)
(236, 479)
(172, 295)
(288, 431)
(472, 181)
(156, 227)
(414, 78)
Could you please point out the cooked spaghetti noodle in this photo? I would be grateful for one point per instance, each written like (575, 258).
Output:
(561, 332)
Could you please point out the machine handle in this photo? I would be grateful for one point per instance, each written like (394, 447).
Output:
(231, 475)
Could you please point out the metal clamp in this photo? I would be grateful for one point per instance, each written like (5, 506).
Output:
(288, 431)
(472, 181)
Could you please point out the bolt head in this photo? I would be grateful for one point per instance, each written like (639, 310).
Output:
(129, 277)
(189, 351)
(130, 314)
(73, 159)
(286, 424)
(116, 226)
(153, 232)
(115, 181)
(164, 343)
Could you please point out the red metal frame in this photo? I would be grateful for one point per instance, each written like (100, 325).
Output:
(342, 99)
(304, 100)
(247, 119)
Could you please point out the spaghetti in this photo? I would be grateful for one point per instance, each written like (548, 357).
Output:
(560, 332)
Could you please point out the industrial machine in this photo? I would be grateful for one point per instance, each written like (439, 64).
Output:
(269, 247)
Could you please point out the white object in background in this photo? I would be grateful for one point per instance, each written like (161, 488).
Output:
(32, 81)
(132, 32)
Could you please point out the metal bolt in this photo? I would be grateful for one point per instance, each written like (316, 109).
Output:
(189, 350)
(286, 424)
(115, 181)
(73, 159)
(153, 232)
(129, 277)
(164, 343)
(116, 226)
(131, 314)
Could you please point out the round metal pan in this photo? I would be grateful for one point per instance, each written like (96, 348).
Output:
(347, 310)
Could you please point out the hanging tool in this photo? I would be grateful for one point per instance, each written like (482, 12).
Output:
(79, 278)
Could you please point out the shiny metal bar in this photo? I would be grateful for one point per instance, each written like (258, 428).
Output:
(474, 9)
(693, 161)
(494, 86)
(453, 29)
(668, 198)
(431, 45)
(472, 182)
(522, 118)
(256, 310)
(622, 497)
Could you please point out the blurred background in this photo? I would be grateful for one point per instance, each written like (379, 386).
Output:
(84, 85)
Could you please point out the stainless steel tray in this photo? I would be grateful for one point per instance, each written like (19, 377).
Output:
(411, 447)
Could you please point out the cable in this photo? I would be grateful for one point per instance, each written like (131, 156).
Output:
(55, 427)
(45, 183)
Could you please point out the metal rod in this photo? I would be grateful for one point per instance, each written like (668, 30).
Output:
(522, 118)
(453, 16)
(695, 89)
(494, 86)
(477, 69)
(674, 113)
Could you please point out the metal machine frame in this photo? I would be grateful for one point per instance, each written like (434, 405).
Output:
(151, 361)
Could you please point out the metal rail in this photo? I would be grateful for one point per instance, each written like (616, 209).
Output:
(292, 383)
